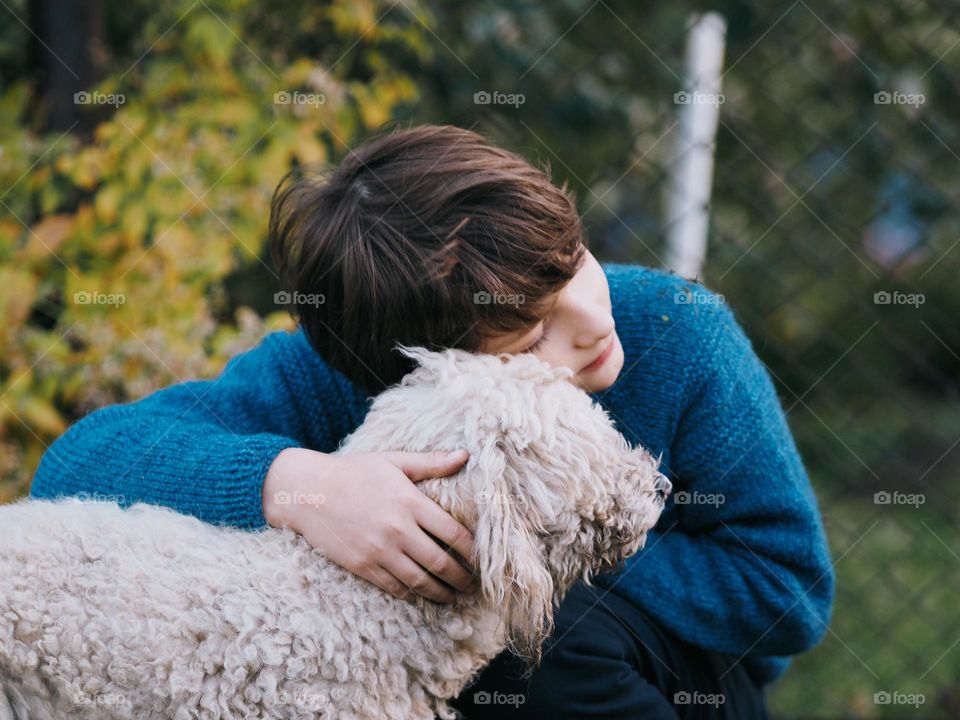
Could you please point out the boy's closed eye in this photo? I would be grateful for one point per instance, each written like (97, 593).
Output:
(576, 330)
(538, 343)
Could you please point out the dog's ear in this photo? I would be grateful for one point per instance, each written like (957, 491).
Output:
(508, 551)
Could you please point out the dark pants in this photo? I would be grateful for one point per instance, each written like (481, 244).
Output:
(608, 659)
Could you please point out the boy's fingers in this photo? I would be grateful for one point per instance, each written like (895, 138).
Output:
(445, 528)
(419, 581)
(426, 553)
(385, 580)
(427, 465)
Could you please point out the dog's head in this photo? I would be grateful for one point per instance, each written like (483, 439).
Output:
(552, 492)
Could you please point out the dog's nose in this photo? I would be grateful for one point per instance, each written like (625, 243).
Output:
(663, 486)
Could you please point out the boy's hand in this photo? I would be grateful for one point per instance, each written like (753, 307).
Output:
(364, 513)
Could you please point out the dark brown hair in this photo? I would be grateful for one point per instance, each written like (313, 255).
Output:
(427, 236)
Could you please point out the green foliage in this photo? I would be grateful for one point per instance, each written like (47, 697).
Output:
(116, 251)
(166, 205)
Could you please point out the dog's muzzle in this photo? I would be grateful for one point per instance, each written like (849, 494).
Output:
(663, 487)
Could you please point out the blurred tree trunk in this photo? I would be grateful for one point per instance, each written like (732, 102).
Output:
(67, 53)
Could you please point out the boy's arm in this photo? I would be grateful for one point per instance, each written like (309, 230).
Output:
(200, 447)
(743, 566)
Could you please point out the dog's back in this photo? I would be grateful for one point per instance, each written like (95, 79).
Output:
(144, 612)
(110, 613)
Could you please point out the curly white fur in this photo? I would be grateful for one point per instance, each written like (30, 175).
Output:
(112, 613)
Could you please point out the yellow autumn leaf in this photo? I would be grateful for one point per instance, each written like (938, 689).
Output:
(46, 236)
(17, 292)
(133, 223)
(106, 203)
(309, 150)
(40, 416)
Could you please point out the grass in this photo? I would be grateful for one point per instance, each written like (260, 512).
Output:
(896, 620)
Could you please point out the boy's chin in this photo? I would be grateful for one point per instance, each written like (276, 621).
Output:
(599, 385)
(604, 376)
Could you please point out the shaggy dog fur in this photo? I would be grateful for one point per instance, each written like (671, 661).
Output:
(145, 613)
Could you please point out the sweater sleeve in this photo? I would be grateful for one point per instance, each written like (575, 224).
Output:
(740, 563)
(200, 447)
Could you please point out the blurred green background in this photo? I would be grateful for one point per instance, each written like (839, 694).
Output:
(133, 219)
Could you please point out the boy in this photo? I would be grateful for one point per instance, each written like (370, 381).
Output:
(432, 236)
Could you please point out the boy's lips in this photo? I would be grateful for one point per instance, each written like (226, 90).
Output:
(601, 358)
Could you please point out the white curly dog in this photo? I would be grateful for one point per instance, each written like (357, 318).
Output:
(145, 613)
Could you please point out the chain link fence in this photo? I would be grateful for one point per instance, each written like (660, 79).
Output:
(834, 237)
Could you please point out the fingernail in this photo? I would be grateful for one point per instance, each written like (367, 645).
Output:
(457, 454)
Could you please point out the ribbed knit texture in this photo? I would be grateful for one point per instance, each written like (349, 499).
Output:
(750, 576)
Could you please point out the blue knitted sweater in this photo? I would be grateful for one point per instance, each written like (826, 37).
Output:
(738, 562)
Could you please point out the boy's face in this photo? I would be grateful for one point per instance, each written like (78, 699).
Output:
(578, 333)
